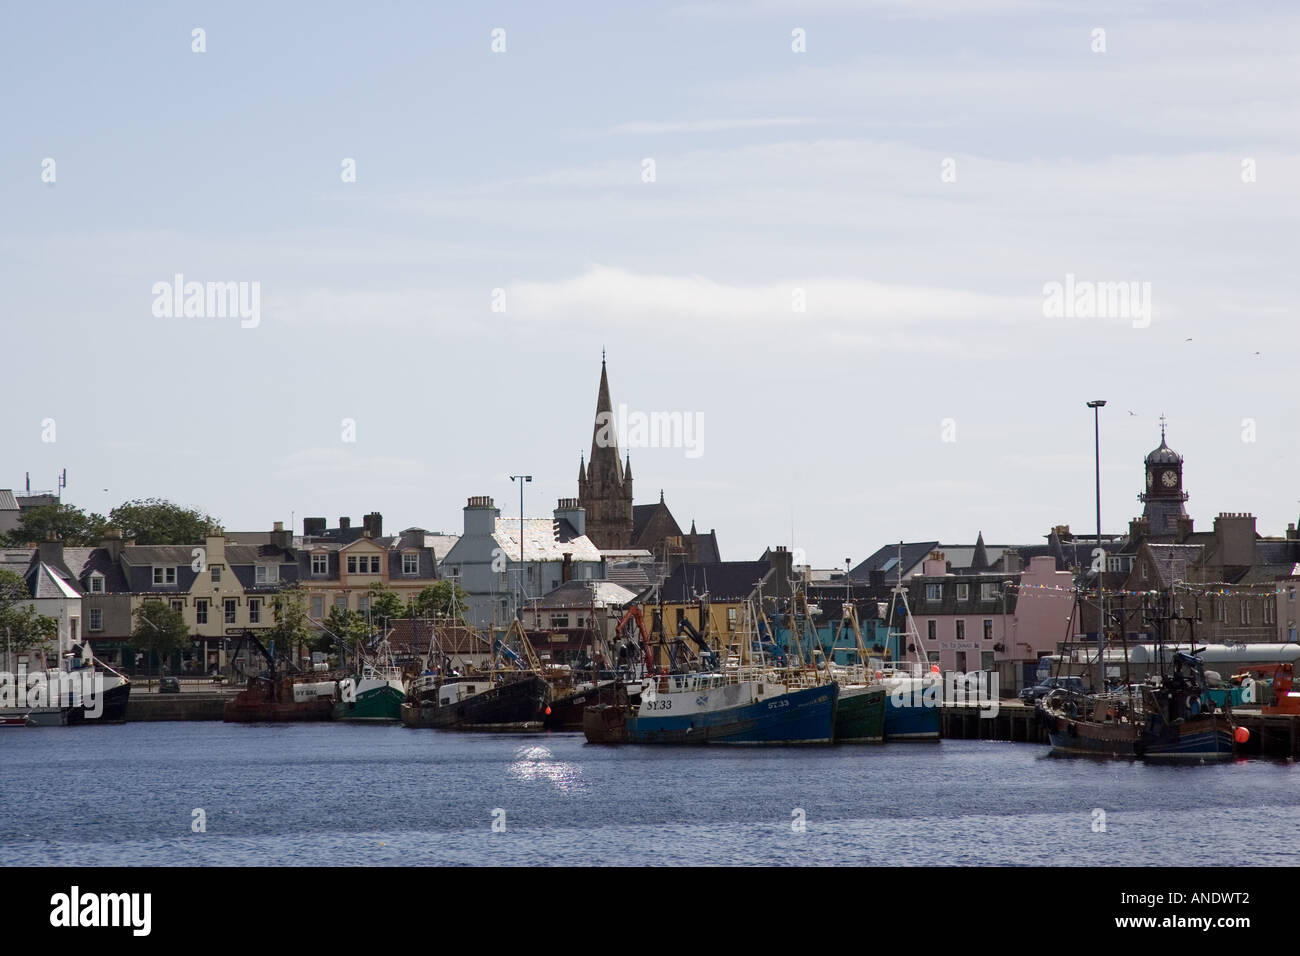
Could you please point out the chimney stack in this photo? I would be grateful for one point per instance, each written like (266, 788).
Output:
(313, 527)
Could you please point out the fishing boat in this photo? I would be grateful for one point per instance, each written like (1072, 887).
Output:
(717, 708)
(1166, 717)
(376, 693)
(864, 701)
(508, 694)
(275, 696)
(81, 690)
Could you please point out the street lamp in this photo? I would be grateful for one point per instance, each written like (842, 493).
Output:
(522, 480)
(1096, 406)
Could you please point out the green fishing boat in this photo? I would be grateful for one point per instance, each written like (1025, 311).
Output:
(860, 714)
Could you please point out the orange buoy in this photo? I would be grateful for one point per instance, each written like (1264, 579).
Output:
(934, 668)
(548, 710)
(1241, 735)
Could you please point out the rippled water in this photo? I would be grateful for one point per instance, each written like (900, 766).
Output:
(356, 795)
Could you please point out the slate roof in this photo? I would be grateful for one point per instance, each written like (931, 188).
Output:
(7, 500)
(722, 580)
(1172, 560)
(581, 594)
(632, 576)
(886, 559)
(545, 539)
(411, 638)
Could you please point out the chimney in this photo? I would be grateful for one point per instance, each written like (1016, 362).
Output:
(1138, 528)
(374, 524)
(569, 510)
(1291, 533)
(566, 571)
(481, 516)
(345, 524)
(51, 551)
(935, 564)
(1234, 534)
(782, 562)
(280, 538)
(1184, 525)
(112, 543)
(877, 578)
(313, 527)
(1012, 562)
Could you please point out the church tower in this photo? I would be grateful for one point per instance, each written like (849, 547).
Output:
(604, 484)
(1164, 497)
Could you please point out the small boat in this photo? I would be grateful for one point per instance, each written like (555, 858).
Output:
(1164, 718)
(565, 712)
(275, 697)
(82, 690)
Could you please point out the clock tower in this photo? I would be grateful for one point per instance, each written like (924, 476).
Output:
(1164, 498)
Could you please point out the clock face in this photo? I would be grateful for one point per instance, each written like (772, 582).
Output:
(1169, 479)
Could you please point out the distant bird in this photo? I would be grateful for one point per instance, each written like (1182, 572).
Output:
(1132, 413)
(1187, 340)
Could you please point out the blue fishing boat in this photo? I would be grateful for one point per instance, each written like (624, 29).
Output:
(714, 708)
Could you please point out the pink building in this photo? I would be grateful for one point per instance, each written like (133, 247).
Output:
(999, 621)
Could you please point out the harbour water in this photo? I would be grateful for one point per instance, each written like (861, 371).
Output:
(331, 794)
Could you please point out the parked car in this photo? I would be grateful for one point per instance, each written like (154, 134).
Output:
(1032, 694)
(169, 685)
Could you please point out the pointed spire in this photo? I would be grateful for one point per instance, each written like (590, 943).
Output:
(661, 496)
(980, 559)
(692, 526)
(627, 469)
(582, 468)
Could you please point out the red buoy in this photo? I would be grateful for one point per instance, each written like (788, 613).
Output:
(1241, 735)
(548, 710)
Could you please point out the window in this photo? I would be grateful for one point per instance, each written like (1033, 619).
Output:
(988, 629)
(352, 564)
(988, 592)
(410, 564)
(178, 607)
(266, 574)
(96, 619)
(230, 610)
(374, 564)
(363, 603)
(320, 564)
(201, 611)
(318, 606)
(254, 610)
(934, 592)
(963, 592)
(932, 629)
(559, 620)
(216, 573)
(1245, 611)
(1221, 611)
(162, 577)
(97, 585)
(341, 602)
(731, 618)
(961, 630)
(1268, 612)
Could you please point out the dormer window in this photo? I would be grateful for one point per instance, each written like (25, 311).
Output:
(963, 592)
(410, 564)
(266, 574)
(934, 592)
(164, 577)
(96, 584)
(320, 564)
(988, 592)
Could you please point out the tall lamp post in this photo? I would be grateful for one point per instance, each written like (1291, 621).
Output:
(523, 479)
(1096, 407)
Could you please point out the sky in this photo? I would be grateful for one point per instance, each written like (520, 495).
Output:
(823, 232)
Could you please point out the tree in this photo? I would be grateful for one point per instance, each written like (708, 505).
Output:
(441, 599)
(347, 628)
(155, 521)
(159, 629)
(21, 627)
(384, 602)
(291, 628)
(67, 523)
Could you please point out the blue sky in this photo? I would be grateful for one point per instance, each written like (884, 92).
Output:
(775, 171)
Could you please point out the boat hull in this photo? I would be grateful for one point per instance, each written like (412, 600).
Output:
(1208, 738)
(798, 717)
(381, 704)
(860, 715)
(567, 711)
(912, 709)
(515, 705)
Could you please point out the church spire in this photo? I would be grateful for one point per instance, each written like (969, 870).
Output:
(605, 487)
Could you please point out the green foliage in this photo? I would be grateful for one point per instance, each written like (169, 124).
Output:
(159, 629)
(440, 599)
(348, 628)
(291, 628)
(69, 524)
(155, 521)
(21, 628)
(384, 602)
